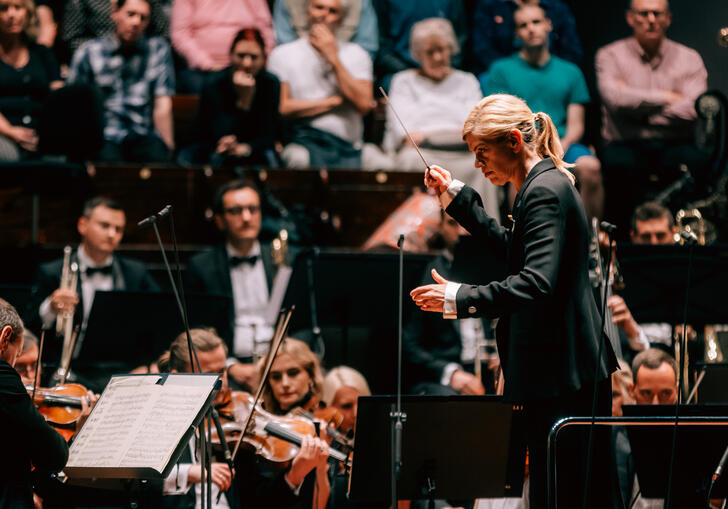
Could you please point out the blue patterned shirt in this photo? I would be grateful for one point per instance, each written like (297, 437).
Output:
(128, 79)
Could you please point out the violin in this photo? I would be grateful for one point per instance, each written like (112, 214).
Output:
(61, 406)
(332, 418)
(273, 437)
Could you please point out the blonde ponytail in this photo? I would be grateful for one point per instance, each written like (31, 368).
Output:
(548, 143)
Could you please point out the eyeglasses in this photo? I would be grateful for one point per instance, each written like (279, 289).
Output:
(646, 14)
(237, 210)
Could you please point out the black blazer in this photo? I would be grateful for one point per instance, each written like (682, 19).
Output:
(26, 439)
(548, 330)
(209, 273)
(429, 342)
(129, 275)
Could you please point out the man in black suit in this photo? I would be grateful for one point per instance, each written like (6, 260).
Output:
(549, 331)
(440, 353)
(28, 440)
(101, 227)
(243, 269)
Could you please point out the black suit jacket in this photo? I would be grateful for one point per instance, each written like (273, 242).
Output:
(209, 273)
(429, 342)
(26, 439)
(549, 325)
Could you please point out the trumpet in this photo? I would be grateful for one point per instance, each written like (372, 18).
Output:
(64, 322)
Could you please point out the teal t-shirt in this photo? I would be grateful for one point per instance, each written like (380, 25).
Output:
(551, 88)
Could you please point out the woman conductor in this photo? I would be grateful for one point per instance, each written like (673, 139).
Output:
(548, 331)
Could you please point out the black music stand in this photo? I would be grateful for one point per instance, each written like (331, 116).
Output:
(655, 279)
(454, 447)
(356, 302)
(712, 389)
(699, 449)
(126, 329)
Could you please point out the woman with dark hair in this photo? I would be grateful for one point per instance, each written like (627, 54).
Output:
(28, 72)
(238, 119)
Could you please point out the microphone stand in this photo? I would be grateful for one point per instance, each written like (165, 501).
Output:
(396, 415)
(691, 240)
(206, 470)
(609, 229)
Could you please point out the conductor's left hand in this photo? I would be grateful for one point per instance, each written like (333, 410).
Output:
(431, 297)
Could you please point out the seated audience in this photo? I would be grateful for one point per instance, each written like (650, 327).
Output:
(295, 380)
(31, 446)
(238, 120)
(28, 72)
(493, 35)
(550, 84)
(395, 20)
(201, 30)
(359, 24)
(326, 87)
(134, 77)
(648, 85)
(440, 354)
(84, 20)
(101, 227)
(433, 101)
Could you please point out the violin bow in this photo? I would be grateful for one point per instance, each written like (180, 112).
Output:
(284, 318)
(37, 363)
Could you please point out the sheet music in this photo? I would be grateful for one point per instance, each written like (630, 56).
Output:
(138, 422)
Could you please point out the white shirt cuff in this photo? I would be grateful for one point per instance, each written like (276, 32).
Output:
(46, 313)
(450, 307)
(640, 342)
(295, 489)
(176, 481)
(230, 361)
(448, 372)
(452, 191)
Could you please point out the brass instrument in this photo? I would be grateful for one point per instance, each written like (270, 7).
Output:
(64, 322)
(691, 221)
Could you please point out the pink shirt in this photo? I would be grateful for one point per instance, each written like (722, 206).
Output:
(202, 30)
(633, 90)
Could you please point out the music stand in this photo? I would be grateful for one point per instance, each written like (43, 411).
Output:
(483, 457)
(356, 302)
(699, 449)
(655, 279)
(133, 328)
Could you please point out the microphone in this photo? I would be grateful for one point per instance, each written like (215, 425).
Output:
(689, 238)
(608, 228)
(719, 469)
(153, 218)
(400, 241)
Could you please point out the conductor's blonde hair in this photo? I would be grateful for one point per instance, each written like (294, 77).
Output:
(495, 116)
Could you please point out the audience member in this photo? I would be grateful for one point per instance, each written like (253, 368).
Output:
(242, 268)
(238, 120)
(434, 101)
(557, 87)
(135, 79)
(28, 72)
(201, 30)
(326, 87)
(101, 227)
(395, 20)
(47, 12)
(493, 36)
(648, 84)
(84, 20)
(440, 354)
(358, 25)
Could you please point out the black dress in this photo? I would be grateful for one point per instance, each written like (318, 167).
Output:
(258, 126)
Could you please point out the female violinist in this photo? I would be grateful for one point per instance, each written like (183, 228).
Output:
(295, 380)
(342, 387)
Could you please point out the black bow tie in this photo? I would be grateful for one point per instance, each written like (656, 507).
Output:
(237, 260)
(106, 269)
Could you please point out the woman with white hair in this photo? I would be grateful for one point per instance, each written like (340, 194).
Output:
(433, 102)
(342, 387)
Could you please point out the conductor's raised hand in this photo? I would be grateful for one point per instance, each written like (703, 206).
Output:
(431, 297)
(438, 179)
